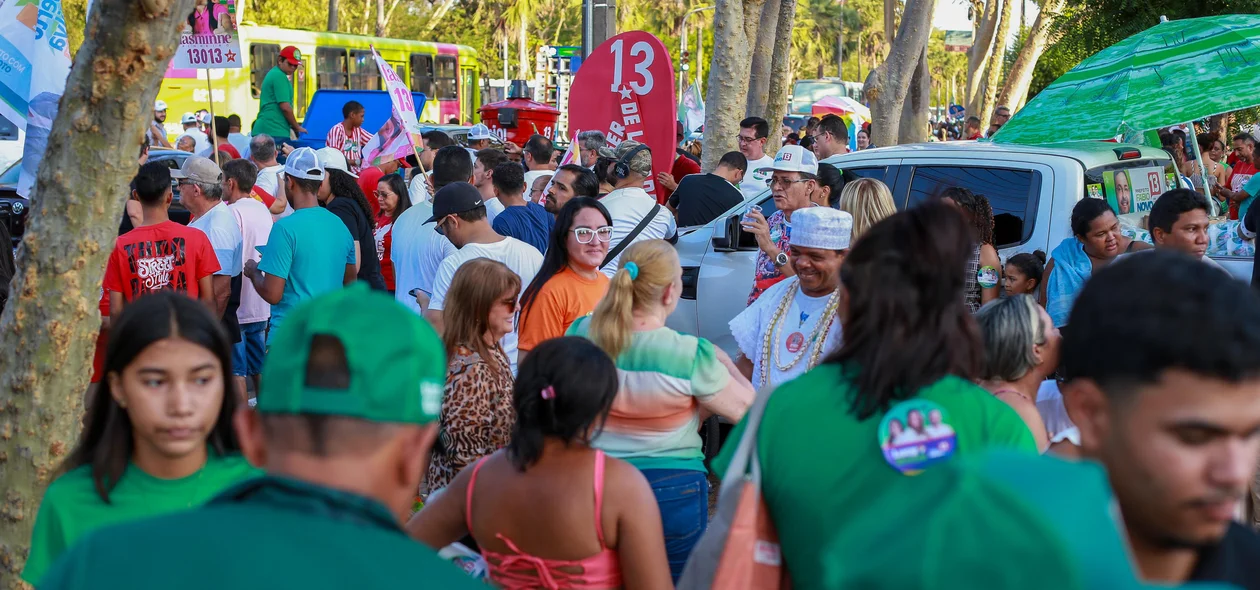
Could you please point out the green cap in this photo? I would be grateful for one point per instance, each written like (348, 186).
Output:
(396, 361)
(997, 520)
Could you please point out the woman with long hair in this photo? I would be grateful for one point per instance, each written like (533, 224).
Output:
(391, 193)
(869, 202)
(1096, 242)
(908, 337)
(158, 436)
(983, 266)
(476, 417)
(1213, 150)
(561, 399)
(569, 284)
(669, 381)
(341, 195)
(1021, 350)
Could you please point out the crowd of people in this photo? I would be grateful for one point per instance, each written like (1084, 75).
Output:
(257, 375)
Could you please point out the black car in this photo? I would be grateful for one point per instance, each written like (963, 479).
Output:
(14, 208)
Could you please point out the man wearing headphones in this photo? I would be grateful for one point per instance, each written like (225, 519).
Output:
(636, 215)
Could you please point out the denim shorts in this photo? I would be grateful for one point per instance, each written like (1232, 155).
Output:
(683, 498)
(247, 355)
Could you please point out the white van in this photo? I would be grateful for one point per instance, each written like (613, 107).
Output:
(1032, 190)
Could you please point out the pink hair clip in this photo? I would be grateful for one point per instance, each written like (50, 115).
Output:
(549, 392)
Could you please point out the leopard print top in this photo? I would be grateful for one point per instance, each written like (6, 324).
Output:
(477, 413)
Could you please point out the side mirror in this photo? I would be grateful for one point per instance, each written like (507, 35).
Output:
(724, 233)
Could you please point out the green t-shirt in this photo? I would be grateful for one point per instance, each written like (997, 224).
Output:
(71, 507)
(820, 466)
(266, 533)
(275, 90)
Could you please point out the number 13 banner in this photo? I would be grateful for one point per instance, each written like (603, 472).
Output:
(210, 39)
(625, 89)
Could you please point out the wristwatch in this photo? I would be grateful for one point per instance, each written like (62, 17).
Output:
(781, 260)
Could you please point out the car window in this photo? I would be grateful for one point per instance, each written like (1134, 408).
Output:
(879, 173)
(1011, 192)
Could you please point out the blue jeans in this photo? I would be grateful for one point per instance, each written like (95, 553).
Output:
(247, 355)
(683, 498)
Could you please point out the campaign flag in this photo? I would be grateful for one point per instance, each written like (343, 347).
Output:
(570, 157)
(626, 90)
(34, 64)
(400, 135)
(691, 109)
(400, 95)
(210, 38)
(389, 144)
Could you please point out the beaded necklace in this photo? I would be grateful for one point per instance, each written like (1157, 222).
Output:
(816, 341)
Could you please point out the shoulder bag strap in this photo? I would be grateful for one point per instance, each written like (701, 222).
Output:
(638, 229)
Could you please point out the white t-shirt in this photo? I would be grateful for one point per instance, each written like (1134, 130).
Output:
(493, 209)
(1050, 405)
(268, 181)
(413, 248)
(754, 178)
(522, 258)
(219, 224)
(254, 221)
(793, 335)
(628, 206)
(203, 140)
(418, 191)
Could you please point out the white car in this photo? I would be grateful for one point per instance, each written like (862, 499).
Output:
(1032, 190)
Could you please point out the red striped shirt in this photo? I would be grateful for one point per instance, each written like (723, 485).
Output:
(350, 145)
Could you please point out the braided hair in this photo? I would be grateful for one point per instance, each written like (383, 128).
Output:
(979, 212)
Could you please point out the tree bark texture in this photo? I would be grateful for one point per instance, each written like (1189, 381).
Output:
(981, 49)
(914, 112)
(762, 56)
(780, 71)
(380, 18)
(888, 85)
(726, 98)
(48, 329)
(890, 22)
(523, 47)
(993, 69)
(1015, 92)
(332, 16)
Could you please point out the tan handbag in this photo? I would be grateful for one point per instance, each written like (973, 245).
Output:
(740, 549)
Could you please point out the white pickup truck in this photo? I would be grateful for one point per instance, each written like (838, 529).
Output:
(1032, 190)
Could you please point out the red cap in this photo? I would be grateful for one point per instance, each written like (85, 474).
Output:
(291, 55)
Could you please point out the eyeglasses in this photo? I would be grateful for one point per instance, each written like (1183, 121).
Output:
(784, 182)
(441, 225)
(743, 139)
(584, 235)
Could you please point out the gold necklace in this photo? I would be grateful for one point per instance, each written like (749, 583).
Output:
(817, 338)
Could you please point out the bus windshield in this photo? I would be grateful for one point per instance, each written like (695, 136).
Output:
(807, 92)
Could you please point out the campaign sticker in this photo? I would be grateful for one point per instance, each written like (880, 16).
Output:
(1095, 191)
(987, 276)
(916, 434)
(795, 342)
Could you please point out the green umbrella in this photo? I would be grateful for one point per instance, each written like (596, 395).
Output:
(1169, 74)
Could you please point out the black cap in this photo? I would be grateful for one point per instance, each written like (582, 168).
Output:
(455, 198)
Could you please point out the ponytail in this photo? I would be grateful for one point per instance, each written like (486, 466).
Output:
(613, 319)
(647, 269)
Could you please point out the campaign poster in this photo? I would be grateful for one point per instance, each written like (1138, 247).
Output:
(1133, 190)
(210, 38)
(34, 65)
(626, 90)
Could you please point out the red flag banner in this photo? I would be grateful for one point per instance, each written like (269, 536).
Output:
(626, 90)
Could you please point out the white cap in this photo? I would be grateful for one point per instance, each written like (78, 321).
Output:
(479, 132)
(333, 159)
(821, 227)
(188, 118)
(303, 163)
(794, 158)
(159, 105)
(203, 116)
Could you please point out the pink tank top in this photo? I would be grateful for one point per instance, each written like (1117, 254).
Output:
(519, 570)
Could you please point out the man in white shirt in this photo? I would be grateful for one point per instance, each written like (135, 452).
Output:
(201, 191)
(267, 187)
(202, 140)
(795, 323)
(460, 215)
(629, 204)
(538, 153)
(450, 166)
(753, 134)
(479, 137)
(482, 175)
(254, 221)
(434, 141)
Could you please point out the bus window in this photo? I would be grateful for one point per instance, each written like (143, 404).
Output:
(447, 78)
(262, 57)
(467, 111)
(364, 74)
(422, 74)
(330, 67)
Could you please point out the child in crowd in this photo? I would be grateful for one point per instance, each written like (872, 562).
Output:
(1023, 272)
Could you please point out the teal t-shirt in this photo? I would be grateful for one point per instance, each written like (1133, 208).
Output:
(821, 466)
(276, 89)
(71, 507)
(309, 250)
(266, 533)
(1252, 188)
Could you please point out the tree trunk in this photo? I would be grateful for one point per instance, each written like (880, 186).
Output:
(762, 54)
(888, 85)
(780, 71)
(993, 69)
(522, 47)
(332, 16)
(981, 49)
(1015, 93)
(48, 329)
(890, 22)
(914, 113)
(380, 18)
(726, 100)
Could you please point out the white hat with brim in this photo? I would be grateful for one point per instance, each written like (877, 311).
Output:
(794, 158)
(821, 227)
(303, 163)
(333, 159)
